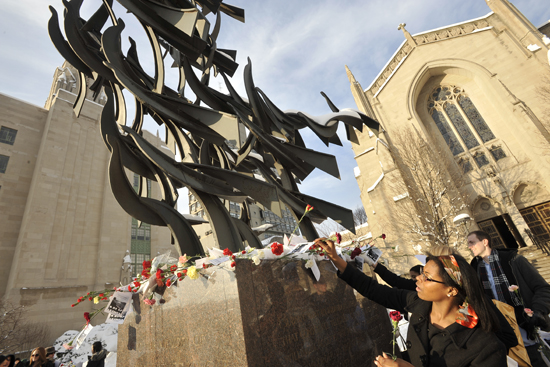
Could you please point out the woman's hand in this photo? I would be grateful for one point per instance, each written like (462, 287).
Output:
(330, 249)
(386, 361)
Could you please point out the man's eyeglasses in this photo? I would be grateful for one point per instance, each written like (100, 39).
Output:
(424, 278)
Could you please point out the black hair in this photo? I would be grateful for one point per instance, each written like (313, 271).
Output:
(472, 289)
(417, 268)
(481, 235)
(97, 347)
(12, 360)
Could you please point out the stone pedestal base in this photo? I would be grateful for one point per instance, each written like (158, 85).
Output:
(274, 314)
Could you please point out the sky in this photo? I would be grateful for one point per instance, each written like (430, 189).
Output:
(297, 50)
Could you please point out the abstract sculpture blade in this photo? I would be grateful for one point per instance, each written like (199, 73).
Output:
(209, 168)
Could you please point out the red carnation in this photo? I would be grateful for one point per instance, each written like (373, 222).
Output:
(168, 282)
(159, 274)
(233, 264)
(91, 298)
(204, 266)
(87, 317)
(338, 238)
(227, 252)
(396, 316)
(383, 236)
(145, 273)
(146, 264)
(277, 248)
(173, 268)
(129, 289)
(73, 305)
(356, 252)
(184, 271)
(233, 257)
(179, 275)
(136, 284)
(101, 294)
(243, 252)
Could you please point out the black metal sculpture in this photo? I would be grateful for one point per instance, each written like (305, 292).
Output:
(209, 167)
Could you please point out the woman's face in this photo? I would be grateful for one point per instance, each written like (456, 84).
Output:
(6, 363)
(429, 284)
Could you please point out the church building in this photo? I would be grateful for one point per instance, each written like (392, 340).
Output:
(478, 94)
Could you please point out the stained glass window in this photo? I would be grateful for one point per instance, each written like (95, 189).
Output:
(498, 153)
(447, 133)
(461, 126)
(475, 118)
(481, 160)
(466, 165)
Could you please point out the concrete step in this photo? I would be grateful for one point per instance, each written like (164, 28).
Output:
(538, 259)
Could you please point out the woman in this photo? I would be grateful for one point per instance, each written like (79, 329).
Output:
(98, 356)
(38, 358)
(4, 361)
(452, 322)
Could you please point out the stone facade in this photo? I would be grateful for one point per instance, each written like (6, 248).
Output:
(498, 63)
(62, 233)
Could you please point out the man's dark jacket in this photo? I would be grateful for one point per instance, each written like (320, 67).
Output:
(534, 290)
(455, 346)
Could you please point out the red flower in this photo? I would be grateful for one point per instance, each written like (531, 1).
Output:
(173, 268)
(243, 252)
(184, 271)
(233, 264)
(129, 289)
(383, 236)
(87, 317)
(227, 252)
(159, 274)
(309, 208)
(277, 248)
(91, 298)
(145, 273)
(356, 252)
(135, 284)
(73, 305)
(179, 275)
(88, 293)
(146, 264)
(160, 283)
(338, 238)
(168, 282)
(233, 257)
(204, 266)
(396, 316)
(101, 294)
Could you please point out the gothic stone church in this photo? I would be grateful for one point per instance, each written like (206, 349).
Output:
(473, 92)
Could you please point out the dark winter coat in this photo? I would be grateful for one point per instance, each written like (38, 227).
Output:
(534, 290)
(97, 359)
(455, 346)
(505, 334)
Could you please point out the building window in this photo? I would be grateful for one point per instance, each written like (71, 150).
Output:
(462, 127)
(3, 163)
(7, 135)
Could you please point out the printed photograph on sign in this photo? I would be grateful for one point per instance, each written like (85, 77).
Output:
(119, 303)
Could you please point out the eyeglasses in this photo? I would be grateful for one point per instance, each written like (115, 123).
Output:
(424, 278)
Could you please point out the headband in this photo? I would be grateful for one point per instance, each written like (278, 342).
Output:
(451, 267)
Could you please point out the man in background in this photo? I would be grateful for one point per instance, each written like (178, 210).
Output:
(502, 268)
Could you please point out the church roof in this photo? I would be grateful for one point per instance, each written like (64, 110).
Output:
(426, 37)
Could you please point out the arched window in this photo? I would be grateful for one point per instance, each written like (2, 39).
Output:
(462, 127)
